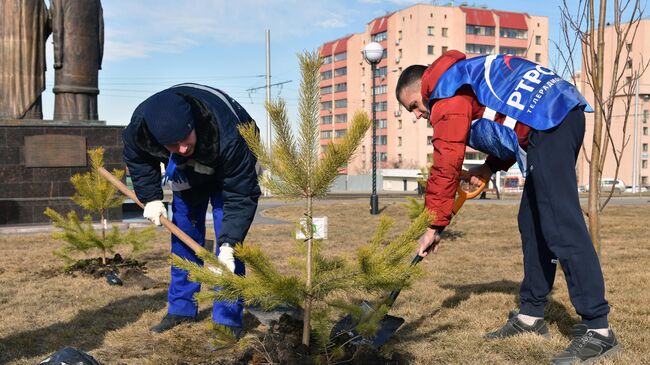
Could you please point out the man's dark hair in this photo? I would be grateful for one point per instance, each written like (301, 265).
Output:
(410, 75)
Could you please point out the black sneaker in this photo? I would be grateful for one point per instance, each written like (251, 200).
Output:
(170, 321)
(587, 347)
(514, 327)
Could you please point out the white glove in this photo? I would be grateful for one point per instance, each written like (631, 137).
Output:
(153, 210)
(225, 257)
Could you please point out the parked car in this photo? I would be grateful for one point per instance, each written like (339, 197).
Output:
(607, 184)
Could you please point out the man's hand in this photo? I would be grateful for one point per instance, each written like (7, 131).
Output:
(476, 175)
(226, 257)
(153, 210)
(428, 239)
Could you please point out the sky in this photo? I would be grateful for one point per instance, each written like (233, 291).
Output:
(153, 44)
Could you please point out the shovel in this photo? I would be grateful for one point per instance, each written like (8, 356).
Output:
(263, 316)
(345, 329)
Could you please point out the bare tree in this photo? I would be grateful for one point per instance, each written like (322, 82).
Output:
(612, 83)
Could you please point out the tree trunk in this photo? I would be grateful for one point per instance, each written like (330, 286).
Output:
(598, 80)
(101, 221)
(306, 326)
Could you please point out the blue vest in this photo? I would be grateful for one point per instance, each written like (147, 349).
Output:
(521, 90)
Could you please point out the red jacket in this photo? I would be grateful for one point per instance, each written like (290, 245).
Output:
(451, 119)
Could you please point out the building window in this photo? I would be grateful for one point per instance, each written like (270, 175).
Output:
(399, 35)
(326, 134)
(380, 37)
(384, 54)
(430, 30)
(645, 131)
(381, 89)
(444, 49)
(515, 51)
(399, 141)
(340, 133)
(628, 64)
(381, 71)
(340, 56)
(341, 71)
(381, 106)
(326, 105)
(340, 87)
(628, 46)
(644, 164)
(327, 60)
(538, 40)
(479, 30)
(399, 124)
(382, 123)
(429, 158)
(341, 118)
(430, 49)
(326, 119)
(326, 90)
(383, 156)
(381, 140)
(479, 48)
(429, 140)
(444, 32)
(513, 33)
(644, 180)
(341, 103)
(646, 115)
(538, 57)
(644, 147)
(326, 75)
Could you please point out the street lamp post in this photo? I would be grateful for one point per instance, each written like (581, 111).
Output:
(373, 52)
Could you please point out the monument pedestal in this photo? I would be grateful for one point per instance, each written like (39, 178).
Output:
(37, 159)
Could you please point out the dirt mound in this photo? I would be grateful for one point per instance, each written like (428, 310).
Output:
(130, 272)
(96, 269)
(282, 344)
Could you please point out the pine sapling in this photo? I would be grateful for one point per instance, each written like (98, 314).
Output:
(96, 195)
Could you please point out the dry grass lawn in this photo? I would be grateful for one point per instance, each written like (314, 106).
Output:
(467, 289)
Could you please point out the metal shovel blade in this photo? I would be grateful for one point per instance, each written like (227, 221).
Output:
(344, 330)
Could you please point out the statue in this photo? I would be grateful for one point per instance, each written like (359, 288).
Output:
(78, 32)
(24, 28)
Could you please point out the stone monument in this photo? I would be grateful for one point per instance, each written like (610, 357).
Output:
(78, 33)
(38, 157)
(24, 28)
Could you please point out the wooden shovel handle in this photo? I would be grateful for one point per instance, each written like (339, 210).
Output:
(192, 244)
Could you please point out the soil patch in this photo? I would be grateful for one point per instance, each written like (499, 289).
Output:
(282, 344)
(131, 272)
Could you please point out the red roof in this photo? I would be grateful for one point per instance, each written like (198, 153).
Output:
(326, 50)
(512, 20)
(341, 45)
(478, 17)
(380, 24)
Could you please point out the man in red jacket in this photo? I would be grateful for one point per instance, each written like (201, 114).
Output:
(517, 112)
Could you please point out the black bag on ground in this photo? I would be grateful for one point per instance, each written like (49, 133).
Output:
(69, 356)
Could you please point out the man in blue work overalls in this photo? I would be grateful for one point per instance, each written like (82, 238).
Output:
(192, 129)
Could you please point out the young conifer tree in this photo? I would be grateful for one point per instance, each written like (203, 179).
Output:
(296, 172)
(97, 195)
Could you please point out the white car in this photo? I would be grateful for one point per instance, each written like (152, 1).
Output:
(607, 184)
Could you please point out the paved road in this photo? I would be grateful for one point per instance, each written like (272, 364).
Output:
(135, 218)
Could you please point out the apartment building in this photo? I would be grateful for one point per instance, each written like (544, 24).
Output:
(635, 133)
(414, 35)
